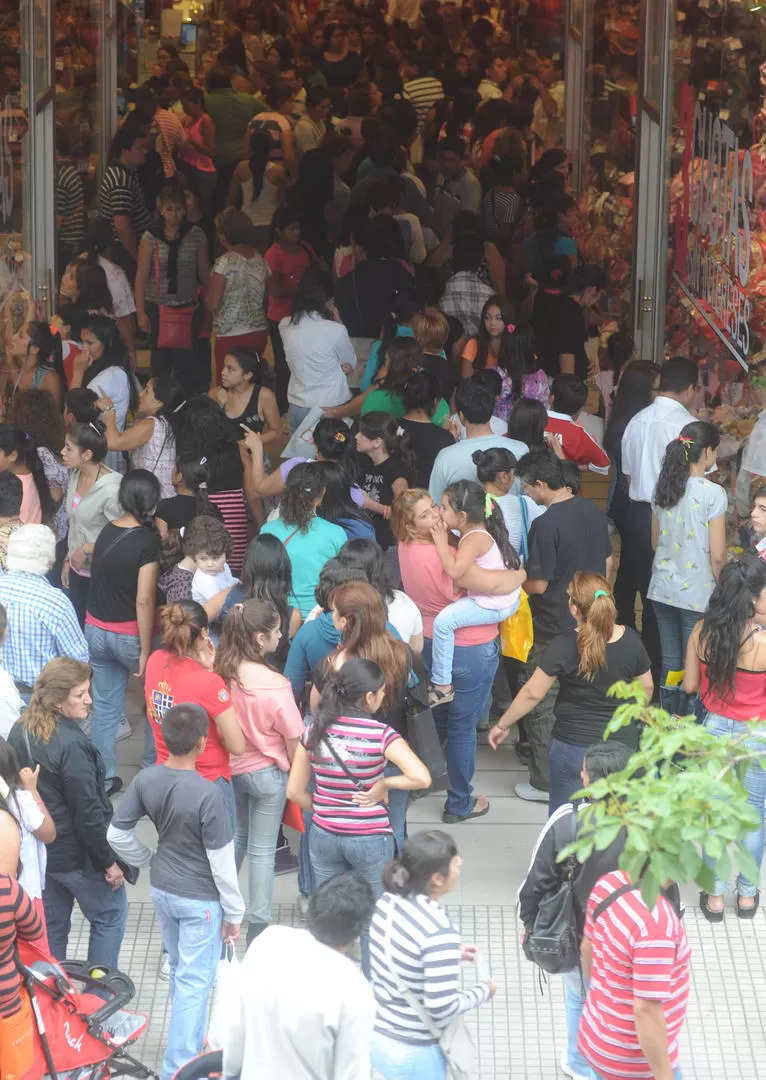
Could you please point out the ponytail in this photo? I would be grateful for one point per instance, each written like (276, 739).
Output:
(423, 855)
(195, 475)
(680, 454)
(181, 626)
(592, 597)
(381, 425)
(468, 497)
(344, 691)
(13, 438)
(238, 640)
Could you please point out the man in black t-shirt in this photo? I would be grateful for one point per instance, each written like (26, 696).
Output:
(571, 535)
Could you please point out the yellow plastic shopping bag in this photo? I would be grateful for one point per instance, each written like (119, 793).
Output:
(516, 633)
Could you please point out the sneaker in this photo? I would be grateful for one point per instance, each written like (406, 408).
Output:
(114, 785)
(164, 972)
(303, 904)
(531, 794)
(567, 1069)
(123, 729)
(284, 861)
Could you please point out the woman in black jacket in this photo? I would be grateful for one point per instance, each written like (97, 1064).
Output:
(81, 865)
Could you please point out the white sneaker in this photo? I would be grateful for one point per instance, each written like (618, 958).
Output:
(530, 794)
(567, 1069)
(123, 729)
(303, 904)
(164, 972)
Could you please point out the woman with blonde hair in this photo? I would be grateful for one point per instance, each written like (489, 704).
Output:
(271, 724)
(71, 783)
(587, 661)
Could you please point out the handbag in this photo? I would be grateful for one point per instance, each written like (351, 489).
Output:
(175, 329)
(455, 1041)
(552, 943)
(517, 635)
(292, 817)
(424, 738)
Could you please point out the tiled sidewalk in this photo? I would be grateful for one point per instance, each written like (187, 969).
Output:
(522, 1032)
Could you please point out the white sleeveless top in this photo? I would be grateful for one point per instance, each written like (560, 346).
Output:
(158, 456)
(260, 210)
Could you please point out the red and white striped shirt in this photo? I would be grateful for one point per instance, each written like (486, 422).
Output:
(361, 743)
(636, 953)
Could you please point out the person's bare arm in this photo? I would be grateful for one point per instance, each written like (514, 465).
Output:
(207, 137)
(288, 152)
(52, 383)
(142, 277)
(124, 228)
(10, 844)
(215, 290)
(215, 603)
(692, 670)
(229, 731)
(299, 779)
(259, 483)
(146, 600)
(586, 958)
(414, 776)
(717, 534)
(351, 408)
(236, 183)
(535, 586)
(652, 1034)
(492, 582)
(647, 682)
(532, 692)
(566, 363)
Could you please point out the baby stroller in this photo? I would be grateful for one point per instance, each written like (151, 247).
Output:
(79, 1028)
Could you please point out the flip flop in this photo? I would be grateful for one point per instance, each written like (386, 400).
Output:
(455, 819)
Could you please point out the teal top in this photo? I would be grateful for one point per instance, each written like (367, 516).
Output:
(308, 552)
(379, 400)
(373, 360)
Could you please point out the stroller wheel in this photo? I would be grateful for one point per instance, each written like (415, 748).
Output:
(207, 1066)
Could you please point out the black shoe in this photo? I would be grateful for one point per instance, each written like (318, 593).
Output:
(710, 915)
(114, 785)
(748, 912)
(253, 930)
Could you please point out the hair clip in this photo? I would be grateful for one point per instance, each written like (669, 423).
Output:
(54, 329)
(401, 432)
(340, 436)
(510, 327)
(179, 407)
(488, 507)
(600, 592)
(203, 461)
(555, 274)
(202, 486)
(685, 441)
(92, 425)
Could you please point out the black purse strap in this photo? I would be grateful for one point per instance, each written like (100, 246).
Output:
(341, 763)
(601, 908)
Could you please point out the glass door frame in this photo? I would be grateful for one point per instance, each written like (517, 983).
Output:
(576, 51)
(652, 187)
(38, 55)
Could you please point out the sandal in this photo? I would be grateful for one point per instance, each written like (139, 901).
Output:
(455, 819)
(440, 697)
(710, 915)
(748, 912)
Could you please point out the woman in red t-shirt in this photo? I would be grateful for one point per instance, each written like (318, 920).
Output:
(288, 259)
(182, 671)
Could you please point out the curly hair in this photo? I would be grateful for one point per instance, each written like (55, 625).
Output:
(303, 489)
(54, 684)
(36, 412)
(208, 535)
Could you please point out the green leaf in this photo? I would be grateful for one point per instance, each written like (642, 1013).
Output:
(650, 889)
(705, 878)
(723, 866)
(691, 860)
(606, 836)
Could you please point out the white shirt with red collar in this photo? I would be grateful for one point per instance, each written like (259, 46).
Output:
(577, 444)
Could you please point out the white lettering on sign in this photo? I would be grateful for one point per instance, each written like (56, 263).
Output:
(712, 249)
(74, 1043)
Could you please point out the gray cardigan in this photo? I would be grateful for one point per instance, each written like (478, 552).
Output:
(95, 509)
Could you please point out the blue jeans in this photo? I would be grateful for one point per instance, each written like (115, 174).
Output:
(333, 853)
(755, 785)
(575, 992)
(473, 670)
(105, 908)
(296, 414)
(564, 765)
(465, 612)
(675, 625)
(227, 790)
(398, 801)
(402, 1061)
(260, 802)
(191, 934)
(114, 658)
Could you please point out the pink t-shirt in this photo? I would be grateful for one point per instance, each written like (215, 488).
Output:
(268, 716)
(31, 512)
(426, 583)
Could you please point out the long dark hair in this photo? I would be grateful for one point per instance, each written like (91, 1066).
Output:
(49, 348)
(343, 693)
(527, 422)
(204, 429)
(468, 497)
(334, 441)
(267, 575)
(261, 145)
(404, 359)
(195, 476)
(634, 393)
(337, 502)
(139, 495)
(303, 488)
(730, 609)
(490, 462)
(173, 398)
(311, 296)
(680, 454)
(423, 855)
(381, 425)
(115, 352)
(505, 357)
(367, 557)
(238, 642)
(14, 438)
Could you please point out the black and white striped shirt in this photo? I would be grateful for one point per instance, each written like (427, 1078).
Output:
(120, 195)
(70, 204)
(425, 949)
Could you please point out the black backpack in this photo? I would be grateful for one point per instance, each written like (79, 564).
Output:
(552, 943)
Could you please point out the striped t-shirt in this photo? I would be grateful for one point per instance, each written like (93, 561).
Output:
(423, 92)
(18, 919)
(120, 195)
(361, 743)
(637, 953)
(425, 949)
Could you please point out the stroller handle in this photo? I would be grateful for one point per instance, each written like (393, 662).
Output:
(118, 985)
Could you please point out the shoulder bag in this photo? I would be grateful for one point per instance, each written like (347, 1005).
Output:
(552, 942)
(455, 1041)
(424, 738)
(175, 329)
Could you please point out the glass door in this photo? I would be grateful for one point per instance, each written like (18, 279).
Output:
(38, 152)
(651, 207)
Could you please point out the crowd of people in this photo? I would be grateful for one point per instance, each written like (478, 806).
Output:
(355, 236)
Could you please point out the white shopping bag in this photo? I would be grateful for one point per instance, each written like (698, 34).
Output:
(227, 1001)
(301, 442)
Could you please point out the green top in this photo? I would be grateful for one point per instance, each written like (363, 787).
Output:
(231, 112)
(384, 401)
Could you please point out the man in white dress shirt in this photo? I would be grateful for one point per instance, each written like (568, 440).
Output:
(643, 448)
(306, 1010)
